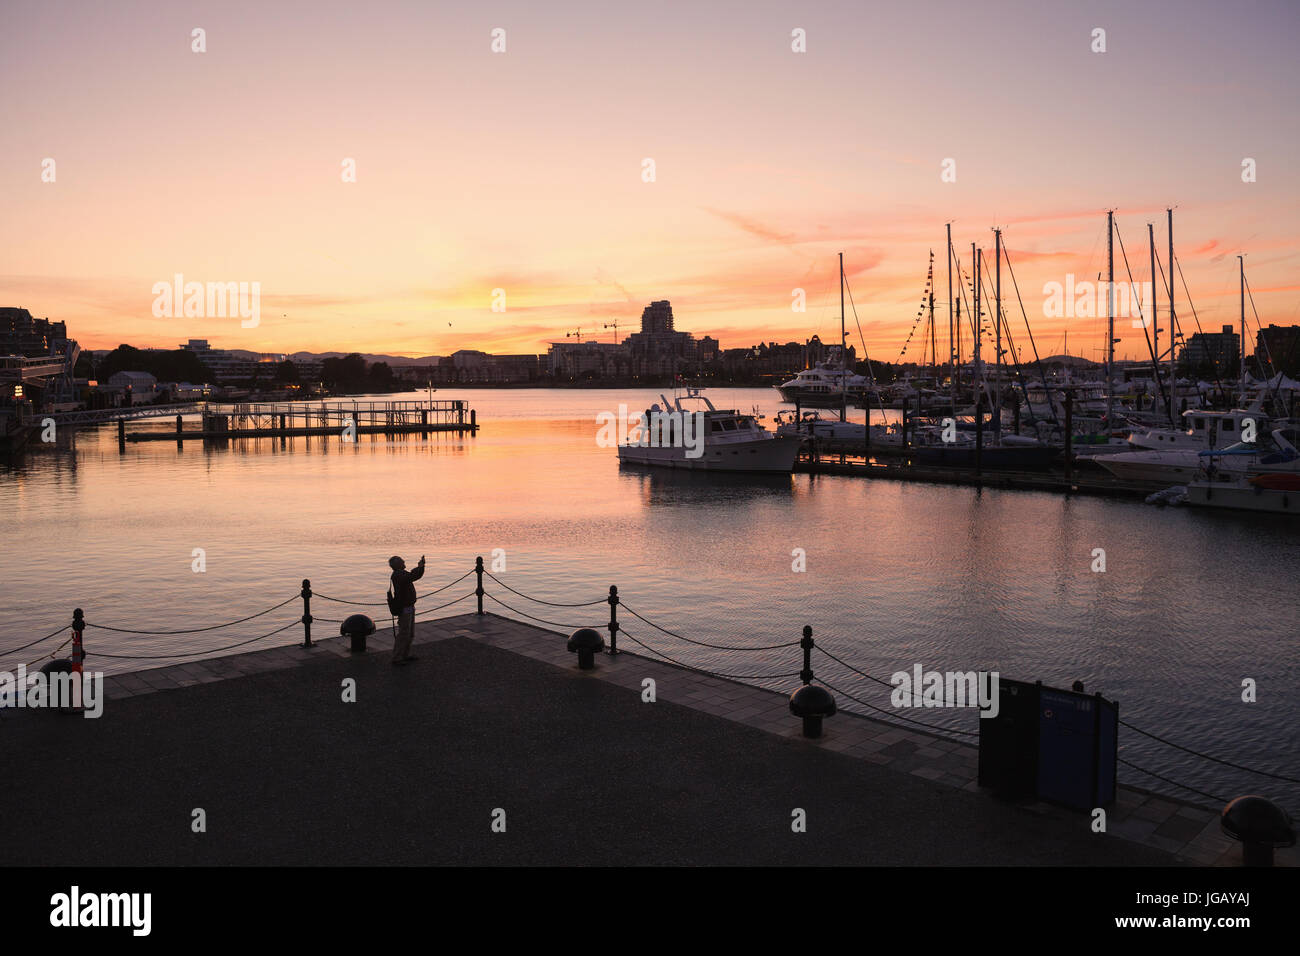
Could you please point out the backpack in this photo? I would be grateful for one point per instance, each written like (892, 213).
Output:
(394, 608)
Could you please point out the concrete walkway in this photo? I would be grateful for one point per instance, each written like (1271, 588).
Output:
(496, 717)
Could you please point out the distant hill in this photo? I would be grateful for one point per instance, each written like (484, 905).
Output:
(393, 360)
(1072, 360)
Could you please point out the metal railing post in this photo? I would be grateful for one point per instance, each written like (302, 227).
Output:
(78, 648)
(806, 675)
(613, 619)
(306, 613)
(478, 569)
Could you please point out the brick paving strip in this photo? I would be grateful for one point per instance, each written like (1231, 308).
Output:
(1186, 833)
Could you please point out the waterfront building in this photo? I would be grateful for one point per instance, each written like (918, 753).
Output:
(577, 360)
(21, 333)
(1221, 350)
(227, 366)
(131, 388)
(1281, 343)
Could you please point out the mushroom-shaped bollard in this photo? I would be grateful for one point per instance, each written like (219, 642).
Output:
(812, 703)
(49, 669)
(1261, 826)
(358, 627)
(585, 642)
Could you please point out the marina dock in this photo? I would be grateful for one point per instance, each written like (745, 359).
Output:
(1083, 481)
(495, 721)
(300, 419)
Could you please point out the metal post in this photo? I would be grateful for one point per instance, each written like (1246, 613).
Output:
(121, 431)
(806, 675)
(1069, 434)
(613, 619)
(866, 454)
(178, 425)
(306, 613)
(78, 648)
(478, 569)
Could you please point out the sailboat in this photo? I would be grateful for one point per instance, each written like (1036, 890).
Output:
(829, 383)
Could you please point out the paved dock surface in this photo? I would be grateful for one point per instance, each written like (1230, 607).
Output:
(495, 715)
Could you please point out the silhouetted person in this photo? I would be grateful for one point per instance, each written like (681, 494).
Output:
(404, 591)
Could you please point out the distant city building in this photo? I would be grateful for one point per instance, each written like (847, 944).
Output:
(1281, 344)
(658, 349)
(132, 388)
(777, 360)
(472, 366)
(578, 360)
(23, 334)
(230, 367)
(1222, 350)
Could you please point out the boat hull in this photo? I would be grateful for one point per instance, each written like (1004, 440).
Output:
(809, 399)
(1013, 458)
(1131, 466)
(765, 455)
(1242, 497)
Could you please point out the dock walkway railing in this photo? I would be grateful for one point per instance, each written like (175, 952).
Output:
(809, 702)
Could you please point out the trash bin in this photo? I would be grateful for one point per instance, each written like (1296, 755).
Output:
(1078, 748)
(1008, 754)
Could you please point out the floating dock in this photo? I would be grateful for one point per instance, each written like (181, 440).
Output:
(305, 419)
(1086, 481)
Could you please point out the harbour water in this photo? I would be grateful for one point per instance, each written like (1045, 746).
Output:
(1191, 603)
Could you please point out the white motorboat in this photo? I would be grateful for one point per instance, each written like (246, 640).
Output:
(689, 433)
(825, 385)
(813, 424)
(1183, 465)
(1272, 495)
(1204, 430)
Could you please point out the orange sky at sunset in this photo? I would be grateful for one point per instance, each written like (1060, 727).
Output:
(522, 170)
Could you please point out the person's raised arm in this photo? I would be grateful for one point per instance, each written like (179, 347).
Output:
(419, 570)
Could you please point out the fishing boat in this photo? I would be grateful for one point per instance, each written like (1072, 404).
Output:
(690, 433)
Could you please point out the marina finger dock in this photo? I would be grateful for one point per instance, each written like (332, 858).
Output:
(299, 419)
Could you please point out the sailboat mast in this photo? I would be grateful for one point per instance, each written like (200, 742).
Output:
(997, 324)
(1241, 350)
(1110, 319)
(952, 359)
(844, 358)
(934, 347)
(979, 371)
(1155, 322)
(1173, 372)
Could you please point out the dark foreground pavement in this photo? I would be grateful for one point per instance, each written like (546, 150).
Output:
(412, 773)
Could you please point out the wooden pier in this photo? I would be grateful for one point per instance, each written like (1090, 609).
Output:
(304, 419)
(1089, 481)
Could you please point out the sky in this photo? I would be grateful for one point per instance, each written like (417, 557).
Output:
(524, 170)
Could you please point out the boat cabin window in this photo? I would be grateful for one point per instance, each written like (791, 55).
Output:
(1227, 425)
(715, 426)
